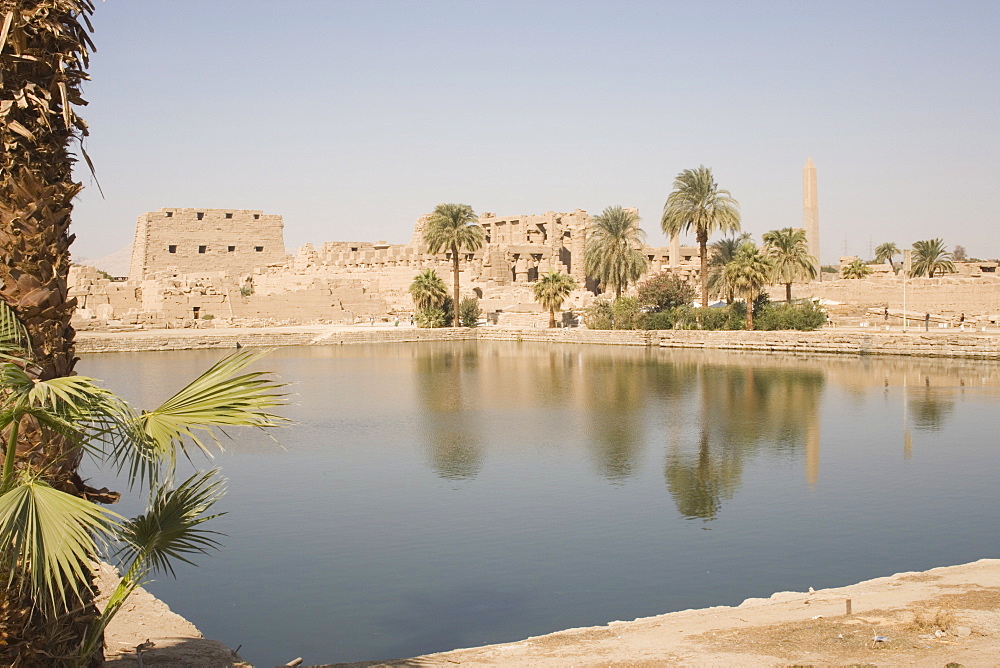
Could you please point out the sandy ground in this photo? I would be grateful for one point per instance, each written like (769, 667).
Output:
(168, 638)
(941, 617)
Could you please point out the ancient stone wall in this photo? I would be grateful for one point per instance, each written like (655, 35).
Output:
(179, 241)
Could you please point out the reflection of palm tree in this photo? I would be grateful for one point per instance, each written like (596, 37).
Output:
(929, 408)
(742, 408)
(699, 484)
(452, 432)
(614, 402)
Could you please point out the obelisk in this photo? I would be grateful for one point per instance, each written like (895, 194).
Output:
(810, 210)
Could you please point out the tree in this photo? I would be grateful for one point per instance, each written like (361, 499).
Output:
(613, 254)
(428, 290)
(856, 269)
(664, 291)
(470, 312)
(748, 273)
(50, 537)
(885, 252)
(44, 55)
(453, 227)
(930, 257)
(551, 291)
(788, 252)
(697, 204)
(959, 254)
(720, 254)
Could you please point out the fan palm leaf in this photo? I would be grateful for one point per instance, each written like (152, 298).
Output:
(49, 538)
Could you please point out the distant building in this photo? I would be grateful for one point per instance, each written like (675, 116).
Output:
(179, 241)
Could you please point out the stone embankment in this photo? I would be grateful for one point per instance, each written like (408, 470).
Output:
(969, 345)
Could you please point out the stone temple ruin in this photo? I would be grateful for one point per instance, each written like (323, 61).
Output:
(190, 266)
(230, 264)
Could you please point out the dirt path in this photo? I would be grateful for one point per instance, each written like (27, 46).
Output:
(940, 617)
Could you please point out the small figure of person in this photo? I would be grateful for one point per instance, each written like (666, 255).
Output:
(885, 315)
(927, 322)
(395, 323)
(961, 322)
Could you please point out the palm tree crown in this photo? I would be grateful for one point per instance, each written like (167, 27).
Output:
(454, 228)
(930, 257)
(613, 252)
(551, 291)
(428, 290)
(885, 252)
(856, 269)
(697, 204)
(788, 251)
(720, 254)
(748, 273)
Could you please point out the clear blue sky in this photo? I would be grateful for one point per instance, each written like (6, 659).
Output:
(352, 118)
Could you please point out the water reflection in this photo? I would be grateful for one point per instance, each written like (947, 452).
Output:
(445, 387)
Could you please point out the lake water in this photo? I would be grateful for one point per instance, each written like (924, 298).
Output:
(434, 496)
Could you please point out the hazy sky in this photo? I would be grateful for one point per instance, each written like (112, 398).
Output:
(353, 118)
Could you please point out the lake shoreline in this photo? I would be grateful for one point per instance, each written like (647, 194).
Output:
(944, 343)
(935, 617)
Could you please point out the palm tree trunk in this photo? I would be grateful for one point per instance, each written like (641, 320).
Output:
(454, 260)
(749, 299)
(552, 318)
(703, 252)
(788, 292)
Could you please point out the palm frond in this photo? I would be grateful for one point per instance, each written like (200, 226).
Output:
(14, 342)
(170, 528)
(217, 398)
(50, 539)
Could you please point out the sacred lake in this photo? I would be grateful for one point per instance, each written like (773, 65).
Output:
(431, 496)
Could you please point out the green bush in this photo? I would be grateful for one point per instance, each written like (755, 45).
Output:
(436, 316)
(665, 291)
(627, 314)
(806, 316)
(599, 315)
(469, 312)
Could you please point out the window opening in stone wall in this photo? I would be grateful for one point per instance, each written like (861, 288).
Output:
(231, 248)
(256, 216)
(229, 216)
(202, 249)
(169, 214)
(201, 215)
(354, 249)
(195, 310)
(259, 249)
(171, 249)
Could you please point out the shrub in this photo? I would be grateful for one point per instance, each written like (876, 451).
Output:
(806, 316)
(436, 316)
(627, 314)
(665, 291)
(469, 312)
(208, 316)
(599, 315)
(246, 291)
(662, 319)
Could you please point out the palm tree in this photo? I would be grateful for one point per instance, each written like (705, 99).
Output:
(788, 251)
(856, 269)
(428, 290)
(44, 56)
(885, 252)
(720, 254)
(930, 257)
(696, 204)
(613, 254)
(453, 227)
(551, 291)
(748, 273)
(50, 537)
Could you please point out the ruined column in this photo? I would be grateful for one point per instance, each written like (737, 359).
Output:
(810, 210)
(675, 251)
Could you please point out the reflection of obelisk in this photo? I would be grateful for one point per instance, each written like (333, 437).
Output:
(810, 210)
